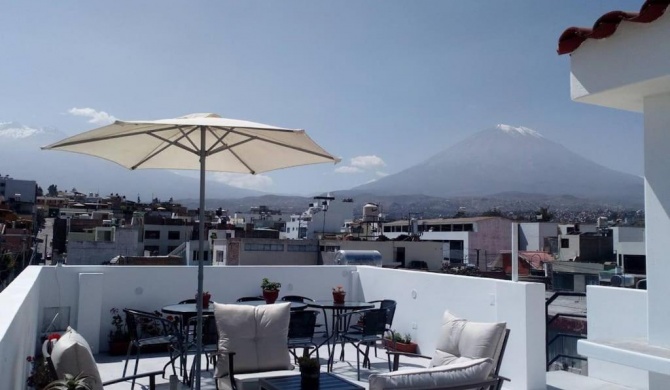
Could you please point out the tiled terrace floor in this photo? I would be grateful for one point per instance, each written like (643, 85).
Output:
(111, 367)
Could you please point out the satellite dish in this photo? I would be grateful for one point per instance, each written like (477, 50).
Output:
(616, 281)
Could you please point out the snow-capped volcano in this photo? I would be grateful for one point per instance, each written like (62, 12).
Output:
(518, 130)
(16, 130)
(508, 159)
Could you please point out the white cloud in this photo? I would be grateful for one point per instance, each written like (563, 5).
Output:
(348, 169)
(367, 162)
(97, 117)
(360, 164)
(381, 174)
(251, 182)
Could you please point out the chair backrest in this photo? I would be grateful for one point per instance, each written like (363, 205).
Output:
(249, 299)
(500, 352)
(258, 335)
(143, 325)
(301, 324)
(374, 322)
(296, 298)
(463, 338)
(390, 306)
(71, 354)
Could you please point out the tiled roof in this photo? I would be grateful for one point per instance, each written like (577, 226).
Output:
(607, 24)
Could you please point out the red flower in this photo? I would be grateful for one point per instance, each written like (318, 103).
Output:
(54, 336)
(170, 318)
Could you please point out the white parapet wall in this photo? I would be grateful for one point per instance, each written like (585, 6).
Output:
(617, 314)
(423, 297)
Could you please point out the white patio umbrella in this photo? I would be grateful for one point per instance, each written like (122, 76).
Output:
(204, 142)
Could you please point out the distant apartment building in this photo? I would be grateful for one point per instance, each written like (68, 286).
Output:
(266, 251)
(472, 241)
(19, 195)
(538, 236)
(101, 244)
(160, 235)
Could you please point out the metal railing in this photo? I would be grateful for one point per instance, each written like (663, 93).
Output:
(561, 336)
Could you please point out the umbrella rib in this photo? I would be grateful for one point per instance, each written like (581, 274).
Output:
(255, 137)
(219, 140)
(226, 147)
(242, 161)
(186, 135)
(107, 137)
(169, 143)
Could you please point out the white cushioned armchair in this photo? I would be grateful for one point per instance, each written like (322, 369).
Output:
(252, 340)
(467, 356)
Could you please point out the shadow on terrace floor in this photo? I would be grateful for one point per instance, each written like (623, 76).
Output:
(111, 367)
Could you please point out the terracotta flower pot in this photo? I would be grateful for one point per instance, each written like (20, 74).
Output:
(270, 296)
(400, 347)
(338, 297)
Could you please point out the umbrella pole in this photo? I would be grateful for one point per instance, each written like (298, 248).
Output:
(201, 255)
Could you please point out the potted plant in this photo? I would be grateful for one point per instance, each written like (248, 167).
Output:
(310, 370)
(206, 297)
(40, 374)
(79, 382)
(270, 290)
(339, 294)
(118, 338)
(400, 343)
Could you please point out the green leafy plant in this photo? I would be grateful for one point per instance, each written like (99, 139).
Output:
(267, 285)
(400, 338)
(79, 382)
(40, 375)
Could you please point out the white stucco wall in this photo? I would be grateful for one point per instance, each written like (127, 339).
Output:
(423, 297)
(19, 311)
(617, 314)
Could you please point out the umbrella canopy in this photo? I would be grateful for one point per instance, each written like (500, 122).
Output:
(198, 142)
(230, 145)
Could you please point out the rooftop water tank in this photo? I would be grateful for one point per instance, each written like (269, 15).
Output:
(358, 257)
(370, 212)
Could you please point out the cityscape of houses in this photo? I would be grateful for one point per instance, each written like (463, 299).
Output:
(90, 229)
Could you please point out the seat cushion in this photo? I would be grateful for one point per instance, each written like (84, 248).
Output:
(71, 354)
(458, 373)
(463, 338)
(257, 334)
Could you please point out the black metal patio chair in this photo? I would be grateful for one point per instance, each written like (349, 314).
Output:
(301, 332)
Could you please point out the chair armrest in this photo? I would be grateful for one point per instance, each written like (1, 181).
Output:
(151, 375)
(396, 357)
(231, 366)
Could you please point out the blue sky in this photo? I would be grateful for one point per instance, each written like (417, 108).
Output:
(385, 83)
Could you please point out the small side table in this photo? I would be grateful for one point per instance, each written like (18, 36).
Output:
(327, 381)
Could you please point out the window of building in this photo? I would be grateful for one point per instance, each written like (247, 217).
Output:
(152, 235)
(302, 248)
(174, 235)
(152, 249)
(468, 227)
(446, 228)
(565, 243)
(171, 248)
(329, 248)
(264, 247)
(458, 228)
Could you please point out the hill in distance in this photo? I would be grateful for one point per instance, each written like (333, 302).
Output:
(507, 159)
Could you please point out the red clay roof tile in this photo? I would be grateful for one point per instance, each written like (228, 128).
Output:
(607, 24)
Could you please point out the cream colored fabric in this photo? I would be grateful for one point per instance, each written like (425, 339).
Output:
(458, 373)
(71, 354)
(233, 145)
(257, 334)
(462, 338)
